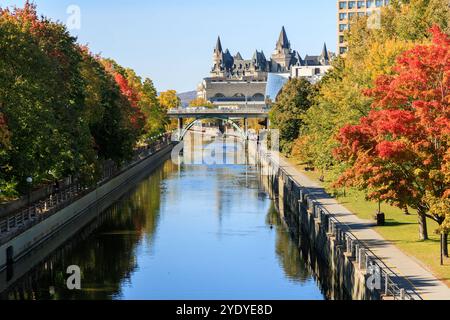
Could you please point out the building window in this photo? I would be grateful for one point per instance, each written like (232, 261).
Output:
(342, 50)
(361, 4)
(258, 97)
(342, 16)
(351, 4)
(343, 27)
(379, 3)
(369, 3)
(343, 5)
(351, 15)
(341, 39)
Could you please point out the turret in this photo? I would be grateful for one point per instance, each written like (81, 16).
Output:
(283, 55)
(283, 42)
(218, 48)
(324, 57)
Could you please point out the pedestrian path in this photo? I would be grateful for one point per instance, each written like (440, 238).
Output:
(415, 275)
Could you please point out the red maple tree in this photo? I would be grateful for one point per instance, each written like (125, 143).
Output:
(399, 153)
(136, 117)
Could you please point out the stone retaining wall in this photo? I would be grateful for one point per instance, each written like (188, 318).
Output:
(97, 200)
(335, 268)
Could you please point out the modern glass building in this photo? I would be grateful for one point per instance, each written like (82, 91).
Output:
(275, 82)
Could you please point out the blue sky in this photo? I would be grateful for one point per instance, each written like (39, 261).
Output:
(171, 41)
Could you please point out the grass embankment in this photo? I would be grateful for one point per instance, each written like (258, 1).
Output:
(400, 229)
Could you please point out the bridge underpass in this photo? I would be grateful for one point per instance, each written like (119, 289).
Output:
(229, 115)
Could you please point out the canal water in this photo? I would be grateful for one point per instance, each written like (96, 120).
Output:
(187, 231)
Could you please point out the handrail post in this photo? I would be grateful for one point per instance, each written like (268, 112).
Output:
(361, 255)
(367, 262)
(349, 245)
(402, 294)
(386, 284)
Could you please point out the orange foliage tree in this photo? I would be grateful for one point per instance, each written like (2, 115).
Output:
(399, 153)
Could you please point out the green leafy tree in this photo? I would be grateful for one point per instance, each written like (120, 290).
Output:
(106, 112)
(286, 113)
(156, 114)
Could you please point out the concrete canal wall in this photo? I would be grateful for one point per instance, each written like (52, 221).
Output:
(96, 201)
(339, 271)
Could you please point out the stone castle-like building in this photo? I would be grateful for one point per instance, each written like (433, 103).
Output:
(235, 81)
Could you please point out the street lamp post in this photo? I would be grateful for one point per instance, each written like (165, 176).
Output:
(29, 182)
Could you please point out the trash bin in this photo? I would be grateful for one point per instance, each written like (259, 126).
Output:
(380, 218)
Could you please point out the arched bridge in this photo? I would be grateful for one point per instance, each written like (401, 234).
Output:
(228, 114)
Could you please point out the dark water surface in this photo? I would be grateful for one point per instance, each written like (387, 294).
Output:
(185, 232)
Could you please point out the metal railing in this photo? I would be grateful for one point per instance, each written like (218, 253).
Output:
(16, 223)
(246, 110)
(366, 260)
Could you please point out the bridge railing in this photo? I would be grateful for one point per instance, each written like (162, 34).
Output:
(205, 110)
(15, 223)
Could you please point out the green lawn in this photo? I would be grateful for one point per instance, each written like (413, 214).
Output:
(400, 229)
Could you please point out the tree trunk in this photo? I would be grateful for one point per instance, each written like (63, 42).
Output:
(405, 210)
(445, 244)
(423, 231)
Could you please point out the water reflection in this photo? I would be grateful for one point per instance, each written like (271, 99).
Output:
(292, 262)
(189, 232)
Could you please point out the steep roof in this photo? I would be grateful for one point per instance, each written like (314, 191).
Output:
(325, 55)
(228, 59)
(312, 60)
(297, 59)
(218, 45)
(283, 41)
(259, 59)
(238, 56)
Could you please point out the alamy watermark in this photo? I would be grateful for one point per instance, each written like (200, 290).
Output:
(74, 19)
(373, 281)
(74, 280)
(374, 17)
(235, 148)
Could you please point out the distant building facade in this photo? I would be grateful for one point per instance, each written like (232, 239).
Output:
(313, 68)
(348, 10)
(235, 81)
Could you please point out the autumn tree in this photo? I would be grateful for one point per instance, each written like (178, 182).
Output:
(106, 111)
(201, 102)
(372, 52)
(4, 146)
(49, 137)
(169, 99)
(399, 152)
(62, 109)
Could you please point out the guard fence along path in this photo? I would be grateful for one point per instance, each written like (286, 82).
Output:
(15, 223)
(400, 276)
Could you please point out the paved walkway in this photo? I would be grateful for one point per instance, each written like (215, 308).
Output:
(416, 275)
